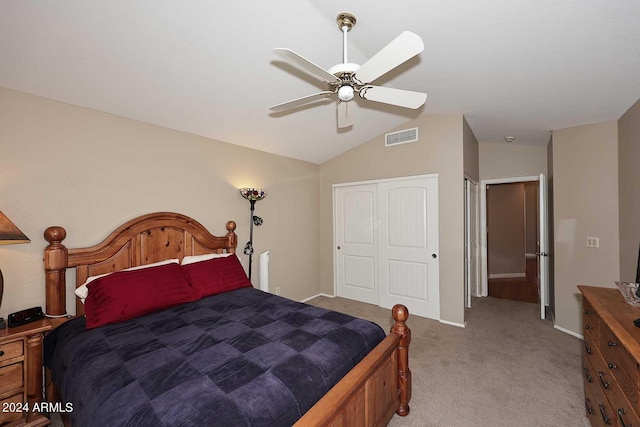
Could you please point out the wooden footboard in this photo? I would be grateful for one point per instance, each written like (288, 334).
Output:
(372, 391)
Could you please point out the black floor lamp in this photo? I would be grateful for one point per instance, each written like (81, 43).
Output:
(9, 234)
(252, 195)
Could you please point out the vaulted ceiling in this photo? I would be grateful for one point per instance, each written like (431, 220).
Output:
(512, 67)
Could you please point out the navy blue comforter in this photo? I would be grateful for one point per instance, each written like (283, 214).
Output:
(244, 357)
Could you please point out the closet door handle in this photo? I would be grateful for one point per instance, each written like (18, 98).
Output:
(434, 256)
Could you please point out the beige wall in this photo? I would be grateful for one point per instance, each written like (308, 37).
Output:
(629, 190)
(440, 150)
(508, 160)
(506, 230)
(89, 172)
(470, 153)
(585, 203)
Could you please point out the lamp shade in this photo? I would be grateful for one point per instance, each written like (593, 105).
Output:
(253, 193)
(9, 233)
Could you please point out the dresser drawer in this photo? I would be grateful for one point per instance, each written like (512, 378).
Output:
(626, 384)
(590, 343)
(603, 376)
(11, 350)
(611, 343)
(598, 409)
(590, 318)
(624, 410)
(10, 403)
(11, 377)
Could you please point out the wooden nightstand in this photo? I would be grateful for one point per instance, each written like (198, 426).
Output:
(21, 374)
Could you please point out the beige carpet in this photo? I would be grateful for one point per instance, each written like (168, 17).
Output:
(506, 368)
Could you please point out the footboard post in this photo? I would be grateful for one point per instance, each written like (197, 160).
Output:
(400, 315)
(55, 267)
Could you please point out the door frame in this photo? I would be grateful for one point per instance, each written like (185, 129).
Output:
(333, 204)
(468, 292)
(484, 277)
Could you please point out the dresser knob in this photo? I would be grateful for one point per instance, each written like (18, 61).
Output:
(620, 414)
(605, 383)
(587, 403)
(612, 344)
(605, 417)
(611, 365)
(1, 353)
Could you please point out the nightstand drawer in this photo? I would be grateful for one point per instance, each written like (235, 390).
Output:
(10, 350)
(10, 403)
(11, 377)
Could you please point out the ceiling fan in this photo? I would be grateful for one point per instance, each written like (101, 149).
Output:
(347, 79)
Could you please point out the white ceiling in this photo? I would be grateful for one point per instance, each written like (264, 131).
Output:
(512, 67)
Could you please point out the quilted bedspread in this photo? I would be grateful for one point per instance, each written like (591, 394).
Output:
(244, 357)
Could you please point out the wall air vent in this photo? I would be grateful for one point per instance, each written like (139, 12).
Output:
(401, 137)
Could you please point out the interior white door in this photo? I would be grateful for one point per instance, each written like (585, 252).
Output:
(356, 242)
(409, 245)
(472, 285)
(543, 254)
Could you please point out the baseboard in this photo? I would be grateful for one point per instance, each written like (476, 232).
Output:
(316, 296)
(566, 331)
(506, 275)
(459, 325)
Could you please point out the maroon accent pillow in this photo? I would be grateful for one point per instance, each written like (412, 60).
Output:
(127, 294)
(216, 276)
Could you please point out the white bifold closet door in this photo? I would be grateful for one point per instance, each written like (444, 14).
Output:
(387, 243)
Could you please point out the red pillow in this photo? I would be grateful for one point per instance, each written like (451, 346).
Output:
(216, 276)
(127, 294)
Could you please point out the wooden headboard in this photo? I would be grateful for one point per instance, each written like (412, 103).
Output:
(143, 240)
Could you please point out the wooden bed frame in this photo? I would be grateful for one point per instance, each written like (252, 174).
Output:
(367, 396)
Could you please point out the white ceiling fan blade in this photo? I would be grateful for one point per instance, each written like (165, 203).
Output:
(344, 119)
(306, 65)
(399, 97)
(401, 49)
(301, 101)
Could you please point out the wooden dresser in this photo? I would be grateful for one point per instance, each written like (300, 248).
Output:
(611, 358)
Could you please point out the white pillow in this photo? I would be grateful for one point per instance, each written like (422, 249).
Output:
(197, 258)
(82, 291)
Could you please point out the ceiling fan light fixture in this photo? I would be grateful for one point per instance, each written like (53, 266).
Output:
(345, 93)
(347, 79)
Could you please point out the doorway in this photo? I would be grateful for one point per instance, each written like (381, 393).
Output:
(512, 241)
(542, 244)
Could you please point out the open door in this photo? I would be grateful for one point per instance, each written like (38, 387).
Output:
(543, 251)
(471, 243)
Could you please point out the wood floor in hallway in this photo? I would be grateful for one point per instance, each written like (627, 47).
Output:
(523, 289)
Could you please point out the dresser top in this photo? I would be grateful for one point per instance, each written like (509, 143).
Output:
(617, 314)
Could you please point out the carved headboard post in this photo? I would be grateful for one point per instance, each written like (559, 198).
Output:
(55, 267)
(232, 236)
